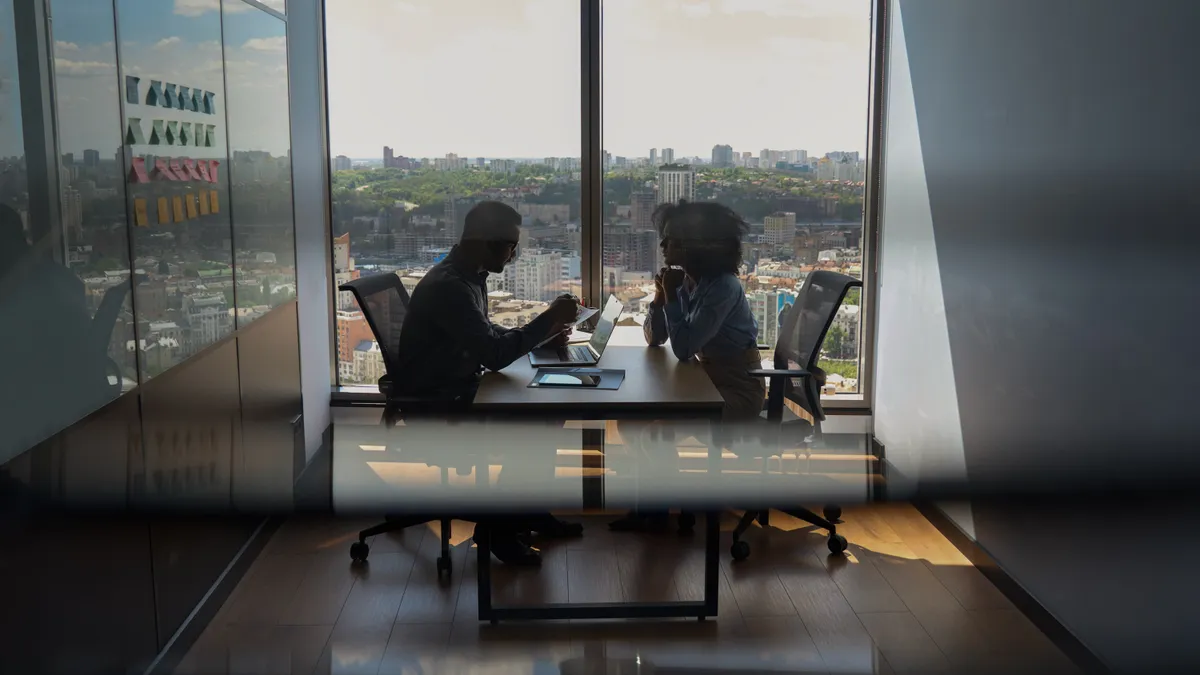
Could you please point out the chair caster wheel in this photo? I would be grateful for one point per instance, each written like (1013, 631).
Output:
(687, 523)
(740, 550)
(833, 513)
(359, 551)
(443, 567)
(837, 543)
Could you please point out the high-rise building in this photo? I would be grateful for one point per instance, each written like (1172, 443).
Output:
(767, 306)
(722, 156)
(454, 217)
(451, 162)
(668, 155)
(91, 158)
(641, 208)
(394, 161)
(535, 276)
(633, 250)
(342, 163)
(72, 214)
(676, 182)
(653, 156)
(779, 227)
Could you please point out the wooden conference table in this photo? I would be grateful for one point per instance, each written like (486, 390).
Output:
(506, 456)
(657, 385)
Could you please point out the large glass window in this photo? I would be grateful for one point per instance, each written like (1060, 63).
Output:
(761, 106)
(260, 168)
(172, 81)
(460, 101)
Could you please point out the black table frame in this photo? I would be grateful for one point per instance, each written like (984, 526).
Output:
(699, 609)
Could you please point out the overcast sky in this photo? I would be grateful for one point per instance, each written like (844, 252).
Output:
(500, 78)
(491, 78)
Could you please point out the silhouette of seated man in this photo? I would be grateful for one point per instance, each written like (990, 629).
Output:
(447, 342)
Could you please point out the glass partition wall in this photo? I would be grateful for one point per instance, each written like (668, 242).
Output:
(586, 116)
(145, 194)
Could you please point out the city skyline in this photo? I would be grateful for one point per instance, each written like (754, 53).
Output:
(706, 157)
(501, 78)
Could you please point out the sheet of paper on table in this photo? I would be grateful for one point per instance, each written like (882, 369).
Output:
(585, 313)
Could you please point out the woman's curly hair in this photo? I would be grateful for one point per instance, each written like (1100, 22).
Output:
(710, 234)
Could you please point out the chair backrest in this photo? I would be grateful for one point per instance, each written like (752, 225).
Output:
(384, 303)
(802, 331)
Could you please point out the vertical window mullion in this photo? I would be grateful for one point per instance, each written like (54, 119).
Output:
(591, 160)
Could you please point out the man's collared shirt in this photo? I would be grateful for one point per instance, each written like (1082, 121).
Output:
(447, 339)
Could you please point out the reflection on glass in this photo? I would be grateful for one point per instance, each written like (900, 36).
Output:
(65, 321)
(411, 159)
(768, 116)
(91, 176)
(174, 133)
(261, 171)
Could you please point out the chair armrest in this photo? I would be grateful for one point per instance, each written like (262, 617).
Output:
(773, 372)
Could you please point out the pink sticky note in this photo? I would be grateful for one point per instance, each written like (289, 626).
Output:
(189, 165)
(161, 169)
(138, 171)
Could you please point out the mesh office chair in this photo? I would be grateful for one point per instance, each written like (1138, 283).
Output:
(384, 304)
(796, 378)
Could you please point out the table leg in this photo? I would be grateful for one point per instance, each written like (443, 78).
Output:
(484, 577)
(712, 562)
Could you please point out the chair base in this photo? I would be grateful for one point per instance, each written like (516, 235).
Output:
(740, 550)
(359, 550)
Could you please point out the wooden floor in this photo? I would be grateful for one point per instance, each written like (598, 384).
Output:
(902, 600)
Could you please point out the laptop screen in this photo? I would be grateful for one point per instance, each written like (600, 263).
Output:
(606, 324)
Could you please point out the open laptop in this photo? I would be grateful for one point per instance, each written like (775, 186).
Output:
(586, 354)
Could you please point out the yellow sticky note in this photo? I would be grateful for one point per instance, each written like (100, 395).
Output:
(204, 204)
(177, 203)
(213, 204)
(139, 213)
(191, 205)
(164, 211)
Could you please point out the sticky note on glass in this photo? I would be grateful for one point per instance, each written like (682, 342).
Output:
(137, 172)
(177, 203)
(191, 206)
(139, 213)
(213, 204)
(204, 211)
(164, 211)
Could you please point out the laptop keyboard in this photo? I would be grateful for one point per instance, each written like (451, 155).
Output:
(575, 353)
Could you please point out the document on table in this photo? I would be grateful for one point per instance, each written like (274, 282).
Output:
(585, 313)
